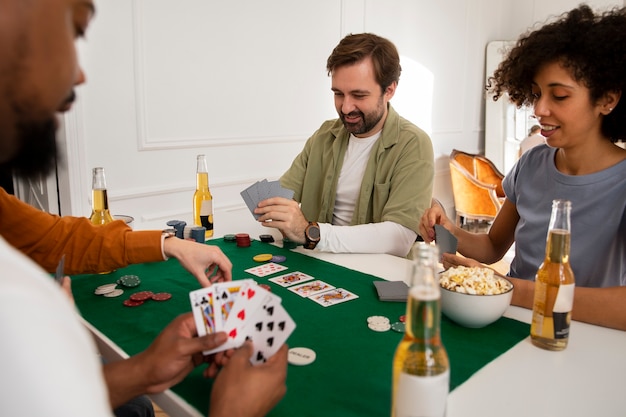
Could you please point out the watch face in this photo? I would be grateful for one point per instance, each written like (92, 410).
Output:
(313, 232)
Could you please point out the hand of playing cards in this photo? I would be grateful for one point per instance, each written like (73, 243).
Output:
(244, 311)
(262, 190)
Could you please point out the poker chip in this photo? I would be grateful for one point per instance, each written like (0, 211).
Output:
(174, 223)
(266, 238)
(161, 296)
(115, 293)
(377, 320)
(301, 356)
(130, 280)
(266, 287)
(279, 258)
(132, 303)
(379, 327)
(402, 318)
(229, 238)
(398, 327)
(243, 240)
(141, 296)
(104, 289)
(263, 257)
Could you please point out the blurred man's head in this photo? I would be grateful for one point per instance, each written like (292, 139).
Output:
(38, 70)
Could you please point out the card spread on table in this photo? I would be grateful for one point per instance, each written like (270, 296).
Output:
(244, 311)
(333, 297)
(262, 190)
(266, 269)
(445, 240)
(311, 288)
(291, 279)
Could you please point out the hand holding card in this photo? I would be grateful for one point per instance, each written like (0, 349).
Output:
(445, 240)
(262, 190)
(244, 311)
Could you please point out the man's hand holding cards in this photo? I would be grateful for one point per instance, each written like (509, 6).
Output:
(262, 190)
(242, 310)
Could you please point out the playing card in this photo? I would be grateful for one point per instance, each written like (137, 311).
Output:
(224, 296)
(392, 290)
(266, 269)
(276, 190)
(262, 190)
(250, 298)
(58, 276)
(268, 329)
(311, 288)
(291, 279)
(251, 198)
(333, 297)
(445, 240)
(203, 310)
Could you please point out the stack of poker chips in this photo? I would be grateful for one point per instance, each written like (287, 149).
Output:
(179, 226)
(197, 233)
(243, 240)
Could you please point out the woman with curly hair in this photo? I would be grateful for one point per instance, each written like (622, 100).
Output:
(572, 71)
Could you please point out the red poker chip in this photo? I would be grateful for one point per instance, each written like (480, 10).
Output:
(161, 296)
(132, 303)
(402, 319)
(266, 287)
(141, 296)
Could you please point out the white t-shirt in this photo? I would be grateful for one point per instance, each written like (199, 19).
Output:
(340, 237)
(49, 364)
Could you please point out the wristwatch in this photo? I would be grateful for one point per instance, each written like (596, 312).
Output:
(311, 235)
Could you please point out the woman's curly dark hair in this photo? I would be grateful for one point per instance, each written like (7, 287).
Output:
(592, 46)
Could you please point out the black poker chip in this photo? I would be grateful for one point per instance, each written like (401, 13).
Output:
(266, 238)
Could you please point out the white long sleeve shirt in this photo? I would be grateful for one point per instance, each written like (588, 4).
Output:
(386, 237)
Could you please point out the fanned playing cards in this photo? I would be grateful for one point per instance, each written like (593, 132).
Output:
(262, 190)
(244, 311)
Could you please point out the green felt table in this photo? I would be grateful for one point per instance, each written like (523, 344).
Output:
(351, 375)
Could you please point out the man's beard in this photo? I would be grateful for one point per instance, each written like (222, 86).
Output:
(37, 153)
(367, 122)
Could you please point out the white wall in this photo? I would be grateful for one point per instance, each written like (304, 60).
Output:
(244, 82)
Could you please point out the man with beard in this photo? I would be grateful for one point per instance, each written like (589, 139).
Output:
(48, 359)
(362, 181)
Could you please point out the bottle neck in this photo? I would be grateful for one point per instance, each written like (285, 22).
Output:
(558, 246)
(98, 181)
(202, 181)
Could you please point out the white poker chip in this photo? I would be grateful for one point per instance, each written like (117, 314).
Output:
(377, 320)
(104, 289)
(379, 327)
(301, 356)
(114, 293)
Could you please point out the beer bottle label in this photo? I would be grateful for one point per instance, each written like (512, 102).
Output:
(561, 311)
(206, 208)
(422, 395)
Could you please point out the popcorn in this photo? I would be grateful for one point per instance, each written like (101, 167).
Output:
(473, 280)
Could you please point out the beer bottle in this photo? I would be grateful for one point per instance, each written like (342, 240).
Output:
(202, 198)
(554, 284)
(99, 201)
(421, 371)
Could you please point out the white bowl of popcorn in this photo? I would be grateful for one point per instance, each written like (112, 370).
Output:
(474, 297)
